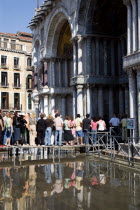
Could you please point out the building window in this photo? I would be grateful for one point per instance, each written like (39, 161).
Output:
(29, 102)
(13, 44)
(29, 63)
(17, 80)
(3, 61)
(16, 63)
(29, 82)
(4, 100)
(4, 79)
(6, 43)
(0, 42)
(16, 101)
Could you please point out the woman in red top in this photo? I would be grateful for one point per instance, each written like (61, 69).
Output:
(94, 125)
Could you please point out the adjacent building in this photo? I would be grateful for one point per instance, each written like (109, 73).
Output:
(86, 57)
(15, 72)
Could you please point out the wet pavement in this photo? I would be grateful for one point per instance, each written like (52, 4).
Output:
(85, 183)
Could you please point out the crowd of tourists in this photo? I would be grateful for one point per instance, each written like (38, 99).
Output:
(19, 129)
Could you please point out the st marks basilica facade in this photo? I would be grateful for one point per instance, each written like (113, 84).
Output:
(86, 57)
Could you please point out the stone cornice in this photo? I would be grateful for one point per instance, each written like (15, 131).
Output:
(41, 13)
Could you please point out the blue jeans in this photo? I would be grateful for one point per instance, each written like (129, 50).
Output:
(94, 136)
(58, 170)
(4, 137)
(86, 136)
(47, 172)
(48, 133)
(58, 135)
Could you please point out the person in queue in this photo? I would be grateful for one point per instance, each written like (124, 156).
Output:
(68, 137)
(32, 129)
(16, 128)
(86, 128)
(58, 123)
(79, 133)
(9, 128)
(40, 128)
(48, 132)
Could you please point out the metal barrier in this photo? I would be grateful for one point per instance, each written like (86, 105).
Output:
(114, 147)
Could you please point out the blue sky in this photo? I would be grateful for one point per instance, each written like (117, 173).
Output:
(16, 14)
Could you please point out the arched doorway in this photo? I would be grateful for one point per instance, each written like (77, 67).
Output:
(105, 27)
(60, 66)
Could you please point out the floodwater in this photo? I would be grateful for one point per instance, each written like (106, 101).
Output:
(84, 183)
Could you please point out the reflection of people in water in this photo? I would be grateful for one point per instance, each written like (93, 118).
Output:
(102, 179)
(58, 185)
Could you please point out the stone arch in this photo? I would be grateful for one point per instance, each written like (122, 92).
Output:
(59, 17)
(82, 15)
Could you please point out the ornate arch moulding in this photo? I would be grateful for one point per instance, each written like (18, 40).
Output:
(58, 16)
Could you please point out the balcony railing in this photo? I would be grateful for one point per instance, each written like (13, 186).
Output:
(16, 47)
(16, 67)
(4, 84)
(4, 66)
(18, 86)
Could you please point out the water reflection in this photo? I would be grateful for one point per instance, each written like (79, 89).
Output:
(87, 184)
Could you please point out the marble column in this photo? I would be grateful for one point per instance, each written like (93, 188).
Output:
(52, 72)
(52, 103)
(112, 58)
(133, 97)
(138, 25)
(80, 55)
(105, 56)
(100, 101)
(63, 106)
(66, 72)
(74, 58)
(111, 102)
(121, 101)
(45, 73)
(80, 100)
(129, 26)
(138, 95)
(97, 57)
(35, 77)
(95, 101)
(46, 105)
(84, 101)
(88, 55)
(126, 100)
(36, 106)
(89, 105)
(119, 58)
(74, 102)
(135, 25)
(59, 73)
(42, 105)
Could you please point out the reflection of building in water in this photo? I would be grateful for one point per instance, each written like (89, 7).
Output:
(68, 186)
